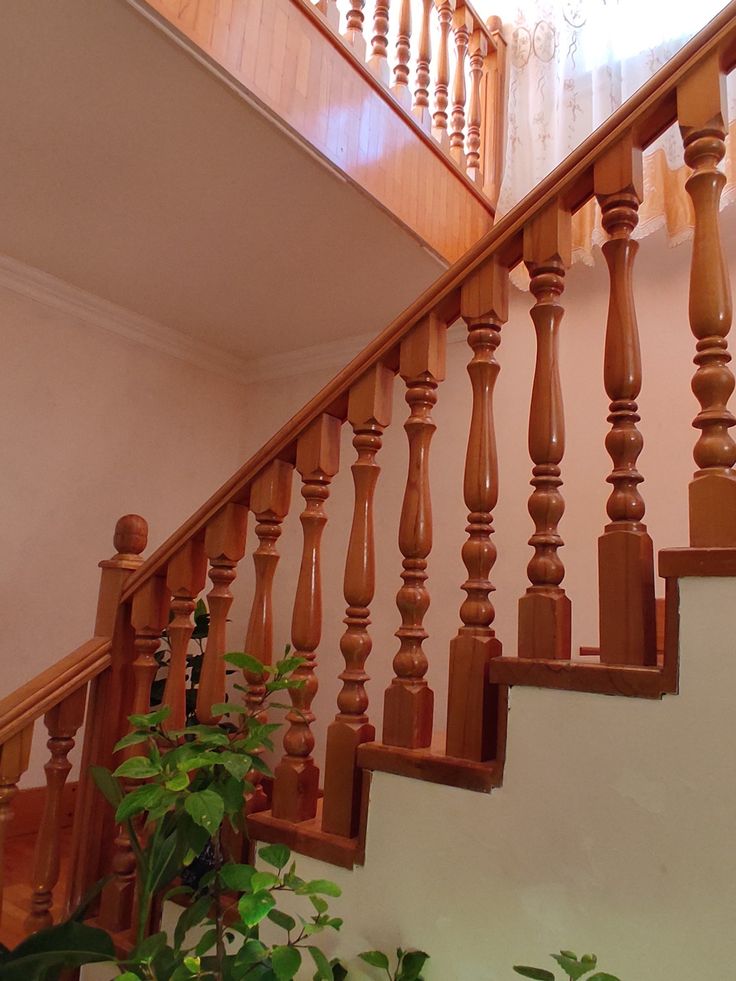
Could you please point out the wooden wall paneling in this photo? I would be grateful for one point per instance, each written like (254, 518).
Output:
(544, 611)
(471, 720)
(369, 413)
(703, 117)
(296, 782)
(185, 579)
(224, 545)
(625, 550)
(409, 701)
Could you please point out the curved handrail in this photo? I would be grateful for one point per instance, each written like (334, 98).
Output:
(49, 688)
(647, 114)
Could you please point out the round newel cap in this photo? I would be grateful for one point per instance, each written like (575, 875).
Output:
(131, 534)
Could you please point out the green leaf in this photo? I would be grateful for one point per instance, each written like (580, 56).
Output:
(132, 739)
(138, 800)
(322, 886)
(165, 861)
(237, 766)
(208, 735)
(149, 947)
(276, 855)
(180, 781)
(285, 962)
(573, 968)
(263, 880)
(602, 976)
(191, 916)
(376, 958)
(254, 908)
(206, 808)
(107, 784)
(339, 973)
(324, 971)
(247, 662)
(319, 904)
(67, 945)
(127, 976)
(537, 973)
(412, 964)
(206, 942)
(138, 768)
(237, 877)
(252, 952)
(150, 719)
(282, 920)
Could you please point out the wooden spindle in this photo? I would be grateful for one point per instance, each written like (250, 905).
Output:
(14, 758)
(702, 115)
(185, 578)
(149, 616)
(462, 22)
(423, 77)
(400, 87)
(354, 32)
(625, 550)
(331, 12)
(409, 701)
(270, 496)
(224, 544)
(478, 53)
(445, 9)
(544, 612)
(378, 61)
(93, 829)
(369, 413)
(471, 703)
(62, 724)
(296, 781)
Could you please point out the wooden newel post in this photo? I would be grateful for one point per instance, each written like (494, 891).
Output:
(471, 700)
(409, 701)
(185, 578)
(544, 611)
(296, 783)
(224, 544)
(702, 115)
(105, 717)
(625, 550)
(369, 413)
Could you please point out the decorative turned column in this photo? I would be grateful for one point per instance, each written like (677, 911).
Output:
(544, 612)
(224, 545)
(420, 107)
(702, 115)
(62, 724)
(354, 33)
(331, 13)
(14, 758)
(625, 551)
(378, 61)
(445, 10)
(296, 781)
(471, 700)
(369, 413)
(270, 496)
(462, 22)
(106, 722)
(400, 88)
(409, 701)
(185, 577)
(478, 54)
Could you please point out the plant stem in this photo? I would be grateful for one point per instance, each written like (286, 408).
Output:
(219, 912)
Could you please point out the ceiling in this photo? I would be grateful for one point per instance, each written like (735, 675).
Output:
(131, 171)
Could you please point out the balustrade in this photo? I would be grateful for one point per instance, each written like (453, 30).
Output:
(185, 580)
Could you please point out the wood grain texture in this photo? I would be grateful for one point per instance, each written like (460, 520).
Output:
(185, 578)
(432, 765)
(682, 563)
(14, 757)
(306, 838)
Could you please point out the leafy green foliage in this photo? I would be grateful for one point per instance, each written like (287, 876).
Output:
(409, 964)
(573, 967)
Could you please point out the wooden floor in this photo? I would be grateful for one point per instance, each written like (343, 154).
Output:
(16, 896)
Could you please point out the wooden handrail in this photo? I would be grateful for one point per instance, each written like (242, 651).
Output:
(647, 114)
(49, 688)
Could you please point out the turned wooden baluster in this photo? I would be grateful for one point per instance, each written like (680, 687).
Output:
(93, 829)
(62, 723)
(224, 544)
(423, 77)
(149, 616)
(544, 612)
(297, 777)
(14, 757)
(400, 87)
(471, 700)
(369, 413)
(331, 12)
(270, 496)
(702, 115)
(625, 551)
(445, 9)
(409, 701)
(378, 61)
(354, 33)
(463, 24)
(185, 576)
(478, 54)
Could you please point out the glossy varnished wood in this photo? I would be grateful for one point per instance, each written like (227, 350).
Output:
(432, 765)
(185, 579)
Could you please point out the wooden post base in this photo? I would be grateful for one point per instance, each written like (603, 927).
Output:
(713, 511)
(627, 611)
(408, 711)
(116, 905)
(471, 703)
(295, 790)
(545, 618)
(344, 778)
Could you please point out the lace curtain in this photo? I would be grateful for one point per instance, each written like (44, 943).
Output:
(571, 63)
